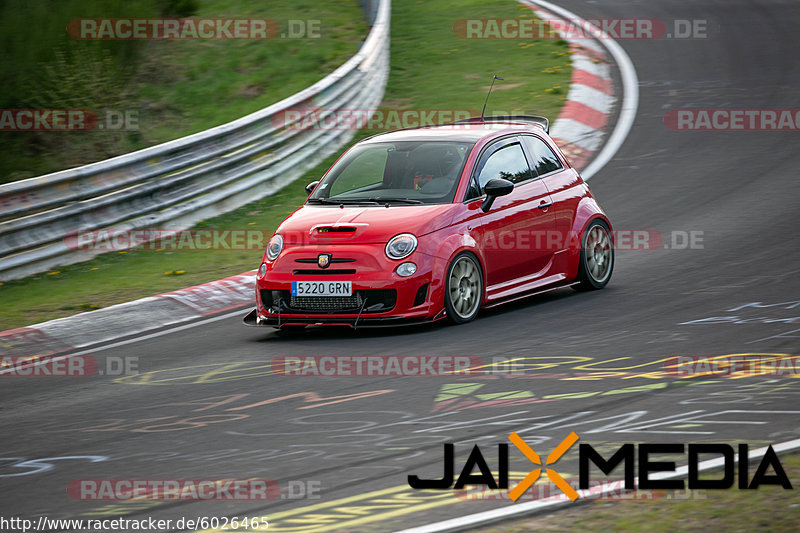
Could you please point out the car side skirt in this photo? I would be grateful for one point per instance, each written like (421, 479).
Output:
(528, 294)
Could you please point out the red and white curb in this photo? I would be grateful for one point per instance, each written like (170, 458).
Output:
(131, 318)
(581, 127)
(627, 93)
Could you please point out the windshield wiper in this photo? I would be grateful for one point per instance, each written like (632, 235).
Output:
(342, 201)
(322, 201)
(358, 201)
(401, 200)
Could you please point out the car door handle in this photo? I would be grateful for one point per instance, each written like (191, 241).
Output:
(545, 205)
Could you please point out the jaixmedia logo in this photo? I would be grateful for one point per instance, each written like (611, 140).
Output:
(651, 473)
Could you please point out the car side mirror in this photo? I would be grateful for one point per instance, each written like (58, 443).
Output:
(495, 187)
(311, 186)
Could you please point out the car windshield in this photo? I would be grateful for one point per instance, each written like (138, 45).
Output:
(402, 173)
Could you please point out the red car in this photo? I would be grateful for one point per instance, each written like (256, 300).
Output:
(437, 222)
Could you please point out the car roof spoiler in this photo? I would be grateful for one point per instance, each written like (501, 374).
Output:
(542, 122)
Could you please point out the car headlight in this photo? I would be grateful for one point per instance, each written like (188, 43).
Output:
(274, 247)
(406, 269)
(262, 271)
(401, 246)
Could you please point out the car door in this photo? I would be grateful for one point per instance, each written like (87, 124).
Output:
(559, 180)
(513, 232)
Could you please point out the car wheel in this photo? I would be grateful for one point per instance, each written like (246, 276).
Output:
(464, 288)
(597, 257)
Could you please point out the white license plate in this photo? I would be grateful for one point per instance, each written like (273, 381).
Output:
(322, 288)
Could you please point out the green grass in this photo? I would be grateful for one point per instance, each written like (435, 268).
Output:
(173, 87)
(431, 69)
(767, 509)
(209, 85)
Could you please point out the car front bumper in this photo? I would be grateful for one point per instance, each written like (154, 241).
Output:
(381, 297)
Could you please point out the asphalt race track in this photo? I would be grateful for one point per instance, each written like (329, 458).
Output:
(200, 405)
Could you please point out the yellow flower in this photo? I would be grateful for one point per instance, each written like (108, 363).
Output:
(179, 272)
(123, 253)
(169, 272)
(94, 268)
(53, 273)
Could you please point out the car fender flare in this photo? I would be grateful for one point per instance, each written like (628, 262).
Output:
(448, 249)
(587, 211)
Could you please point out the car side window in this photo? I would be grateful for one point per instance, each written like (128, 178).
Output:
(508, 163)
(544, 160)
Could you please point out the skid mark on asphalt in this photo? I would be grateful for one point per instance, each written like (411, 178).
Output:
(185, 421)
(563, 367)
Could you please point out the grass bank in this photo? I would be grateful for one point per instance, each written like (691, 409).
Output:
(169, 88)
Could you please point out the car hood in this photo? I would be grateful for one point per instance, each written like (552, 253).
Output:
(367, 225)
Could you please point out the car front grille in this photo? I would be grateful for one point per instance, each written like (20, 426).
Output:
(326, 304)
(377, 301)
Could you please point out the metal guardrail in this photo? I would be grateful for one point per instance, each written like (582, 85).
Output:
(192, 178)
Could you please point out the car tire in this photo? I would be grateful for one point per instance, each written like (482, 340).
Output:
(463, 288)
(596, 257)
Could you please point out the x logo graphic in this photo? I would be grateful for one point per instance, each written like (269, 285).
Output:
(554, 456)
